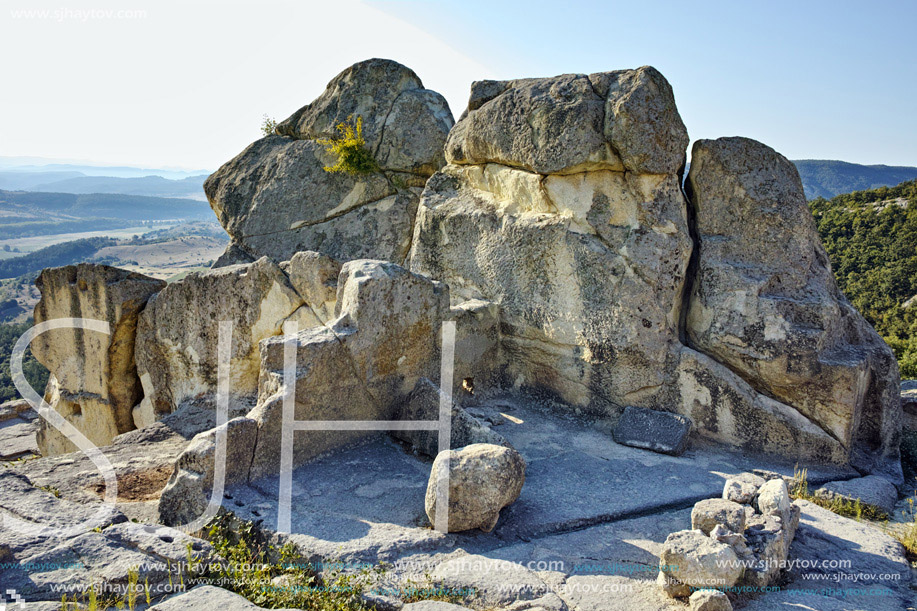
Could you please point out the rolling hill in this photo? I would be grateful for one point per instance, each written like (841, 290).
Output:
(823, 178)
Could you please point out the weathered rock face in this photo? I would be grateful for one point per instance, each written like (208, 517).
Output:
(909, 403)
(177, 336)
(483, 479)
(764, 302)
(276, 199)
(872, 490)
(94, 382)
(362, 366)
(577, 228)
(561, 204)
(698, 561)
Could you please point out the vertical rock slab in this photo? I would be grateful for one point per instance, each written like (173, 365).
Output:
(562, 204)
(362, 366)
(765, 304)
(276, 199)
(94, 382)
(178, 333)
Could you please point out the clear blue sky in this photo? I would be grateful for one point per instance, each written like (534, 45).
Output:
(184, 82)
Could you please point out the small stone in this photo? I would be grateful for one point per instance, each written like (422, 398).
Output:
(649, 429)
(742, 488)
(696, 560)
(774, 498)
(672, 586)
(709, 600)
(380, 602)
(483, 479)
(711, 512)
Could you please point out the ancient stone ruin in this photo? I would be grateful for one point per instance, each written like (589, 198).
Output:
(587, 277)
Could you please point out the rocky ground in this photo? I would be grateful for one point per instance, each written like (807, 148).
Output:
(586, 534)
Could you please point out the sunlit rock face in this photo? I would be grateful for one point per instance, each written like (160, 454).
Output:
(94, 383)
(276, 199)
(562, 202)
(765, 304)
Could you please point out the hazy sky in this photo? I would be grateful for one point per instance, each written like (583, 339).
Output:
(184, 83)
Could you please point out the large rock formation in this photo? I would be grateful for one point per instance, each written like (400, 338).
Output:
(561, 202)
(94, 383)
(578, 269)
(765, 304)
(177, 336)
(276, 199)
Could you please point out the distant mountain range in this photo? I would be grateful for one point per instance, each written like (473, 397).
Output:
(821, 178)
(41, 164)
(28, 213)
(71, 178)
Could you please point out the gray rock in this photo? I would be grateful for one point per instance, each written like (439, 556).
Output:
(402, 121)
(479, 362)
(871, 490)
(837, 544)
(742, 488)
(611, 120)
(694, 559)
(235, 254)
(96, 391)
(18, 439)
(361, 367)
(315, 278)
(190, 486)
(909, 403)
(433, 605)
(423, 404)
(40, 560)
(488, 577)
(483, 479)
(709, 600)
(178, 333)
(535, 246)
(663, 432)
(763, 295)
(15, 408)
(276, 199)
(726, 409)
(768, 539)
(774, 498)
(710, 512)
(206, 597)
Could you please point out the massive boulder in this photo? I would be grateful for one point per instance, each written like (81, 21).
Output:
(276, 199)
(765, 304)
(562, 203)
(94, 383)
(177, 336)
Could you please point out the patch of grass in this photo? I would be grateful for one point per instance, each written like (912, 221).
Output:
(350, 149)
(51, 490)
(908, 535)
(252, 566)
(268, 125)
(854, 509)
